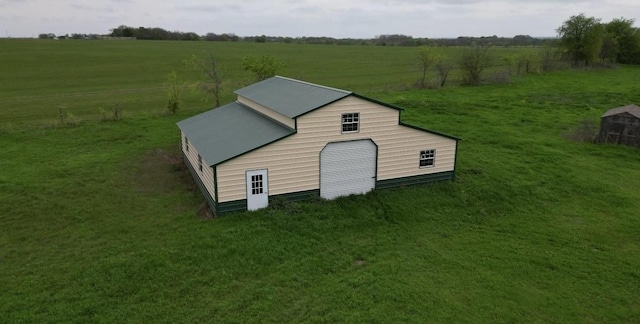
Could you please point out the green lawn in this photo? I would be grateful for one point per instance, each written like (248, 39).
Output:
(98, 222)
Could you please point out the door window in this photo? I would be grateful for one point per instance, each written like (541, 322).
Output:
(257, 187)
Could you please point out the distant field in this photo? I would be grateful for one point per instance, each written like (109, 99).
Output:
(41, 76)
(98, 221)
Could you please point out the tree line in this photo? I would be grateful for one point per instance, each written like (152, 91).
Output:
(585, 40)
(157, 33)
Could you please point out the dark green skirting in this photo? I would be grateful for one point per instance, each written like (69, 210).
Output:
(213, 205)
(414, 180)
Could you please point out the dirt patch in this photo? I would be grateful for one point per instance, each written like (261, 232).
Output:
(586, 131)
(204, 212)
(162, 171)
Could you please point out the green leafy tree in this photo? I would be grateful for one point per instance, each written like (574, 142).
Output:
(123, 31)
(174, 92)
(427, 56)
(610, 48)
(635, 58)
(47, 36)
(581, 37)
(510, 60)
(622, 42)
(263, 67)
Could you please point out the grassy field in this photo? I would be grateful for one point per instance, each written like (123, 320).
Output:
(98, 221)
(86, 77)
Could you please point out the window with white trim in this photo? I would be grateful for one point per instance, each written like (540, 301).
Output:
(427, 158)
(350, 122)
(186, 144)
(200, 162)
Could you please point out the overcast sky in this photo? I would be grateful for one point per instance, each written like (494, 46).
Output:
(332, 18)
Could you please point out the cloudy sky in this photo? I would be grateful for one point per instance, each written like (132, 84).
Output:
(333, 18)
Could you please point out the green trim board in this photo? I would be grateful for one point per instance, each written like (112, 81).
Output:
(429, 131)
(255, 148)
(357, 96)
(213, 205)
(241, 204)
(415, 180)
(297, 196)
(214, 170)
(377, 101)
(232, 206)
(455, 162)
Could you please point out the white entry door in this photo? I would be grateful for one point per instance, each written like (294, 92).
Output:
(347, 168)
(257, 189)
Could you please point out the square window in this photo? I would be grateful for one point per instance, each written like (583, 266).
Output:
(186, 144)
(427, 158)
(350, 122)
(200, 162)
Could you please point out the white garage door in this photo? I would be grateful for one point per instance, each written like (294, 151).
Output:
(347, 168)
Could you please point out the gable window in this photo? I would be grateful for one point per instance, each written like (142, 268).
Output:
(427, 158)
(350, 122)
(200, 162)
(186, 144)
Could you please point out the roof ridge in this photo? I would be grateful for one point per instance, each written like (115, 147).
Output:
(631, 109)
(314, 85)
(262, 115)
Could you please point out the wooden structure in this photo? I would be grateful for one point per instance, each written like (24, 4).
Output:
(292, 139)
(620, 126)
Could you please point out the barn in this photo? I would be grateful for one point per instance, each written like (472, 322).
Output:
(293, 139)
(620, 126)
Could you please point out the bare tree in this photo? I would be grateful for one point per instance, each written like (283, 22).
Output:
(473, 62)
(209, 66)
(549, 59)
(524, 60)
(443, 70)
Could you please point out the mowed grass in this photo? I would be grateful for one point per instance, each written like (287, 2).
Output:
(88, 78)
(98, 223)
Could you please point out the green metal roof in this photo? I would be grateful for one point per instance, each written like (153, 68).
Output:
(231, 130)
(290, 97)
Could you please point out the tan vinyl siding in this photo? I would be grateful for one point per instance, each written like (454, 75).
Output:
(267, 112)
(206, 176)
(293, 163)
(399, 154)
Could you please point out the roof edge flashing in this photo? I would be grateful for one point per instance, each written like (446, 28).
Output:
(346, 92)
